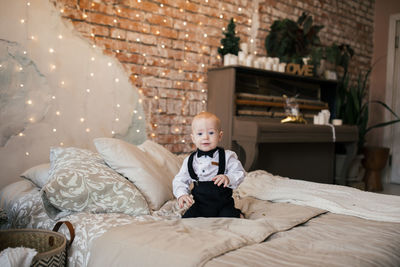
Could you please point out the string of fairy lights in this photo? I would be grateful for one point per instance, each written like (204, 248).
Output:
(34, 42)
(191, 37)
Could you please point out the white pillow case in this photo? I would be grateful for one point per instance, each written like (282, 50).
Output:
(39, 174)
(165, 160)
(142, 168)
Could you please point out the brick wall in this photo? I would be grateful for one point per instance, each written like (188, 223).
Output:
(166, 46)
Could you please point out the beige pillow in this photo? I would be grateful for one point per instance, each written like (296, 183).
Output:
(80, 181)
(136, 165)
(39, 174)
(164, 159)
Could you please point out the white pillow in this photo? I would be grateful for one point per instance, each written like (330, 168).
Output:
(161, 156)
(39, 174)
(139, 168)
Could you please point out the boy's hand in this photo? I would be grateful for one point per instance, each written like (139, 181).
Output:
(221, 179)
(185, 199)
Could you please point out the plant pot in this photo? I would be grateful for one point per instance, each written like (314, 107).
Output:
(356, 170)
(375, 159)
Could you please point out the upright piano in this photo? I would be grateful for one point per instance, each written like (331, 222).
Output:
(250, 104)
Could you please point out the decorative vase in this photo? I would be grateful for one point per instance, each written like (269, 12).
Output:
(374, 161)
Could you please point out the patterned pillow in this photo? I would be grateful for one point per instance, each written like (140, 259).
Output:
(80, 181)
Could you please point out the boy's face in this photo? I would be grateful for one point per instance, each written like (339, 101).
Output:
(205, 133)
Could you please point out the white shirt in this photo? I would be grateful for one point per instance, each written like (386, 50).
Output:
(205, 170)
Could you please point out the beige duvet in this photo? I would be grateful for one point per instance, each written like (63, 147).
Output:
(273, 234)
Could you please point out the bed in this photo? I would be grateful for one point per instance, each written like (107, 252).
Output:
(119, 199)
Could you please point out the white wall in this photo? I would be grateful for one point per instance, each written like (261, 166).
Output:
(46, 70)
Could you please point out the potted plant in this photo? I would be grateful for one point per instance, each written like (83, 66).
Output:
(292, 41)
(229, 44)
(355, 112)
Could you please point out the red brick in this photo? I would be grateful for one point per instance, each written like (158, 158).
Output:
(175, 75)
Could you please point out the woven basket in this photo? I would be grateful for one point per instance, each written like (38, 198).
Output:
(52, 247)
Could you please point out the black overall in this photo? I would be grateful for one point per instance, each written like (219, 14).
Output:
(211, 200)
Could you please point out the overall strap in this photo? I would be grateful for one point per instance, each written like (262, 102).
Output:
(221, 161)
(221, 164)
(192, 174)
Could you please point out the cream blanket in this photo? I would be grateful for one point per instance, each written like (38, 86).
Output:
(334, 198)
(193, 242)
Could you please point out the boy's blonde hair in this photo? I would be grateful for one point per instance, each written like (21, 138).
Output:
(208, 115)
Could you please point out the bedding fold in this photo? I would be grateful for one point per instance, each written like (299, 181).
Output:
(334, 198)
(193, 242)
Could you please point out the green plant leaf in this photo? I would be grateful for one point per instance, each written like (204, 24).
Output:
(382, 124)
(386, 106)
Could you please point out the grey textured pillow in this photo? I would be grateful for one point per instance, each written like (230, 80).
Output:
(80, 181)
(39, 174)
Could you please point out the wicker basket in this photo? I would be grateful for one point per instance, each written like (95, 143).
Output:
(52, 247)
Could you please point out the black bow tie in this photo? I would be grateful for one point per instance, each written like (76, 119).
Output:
(206, 153)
